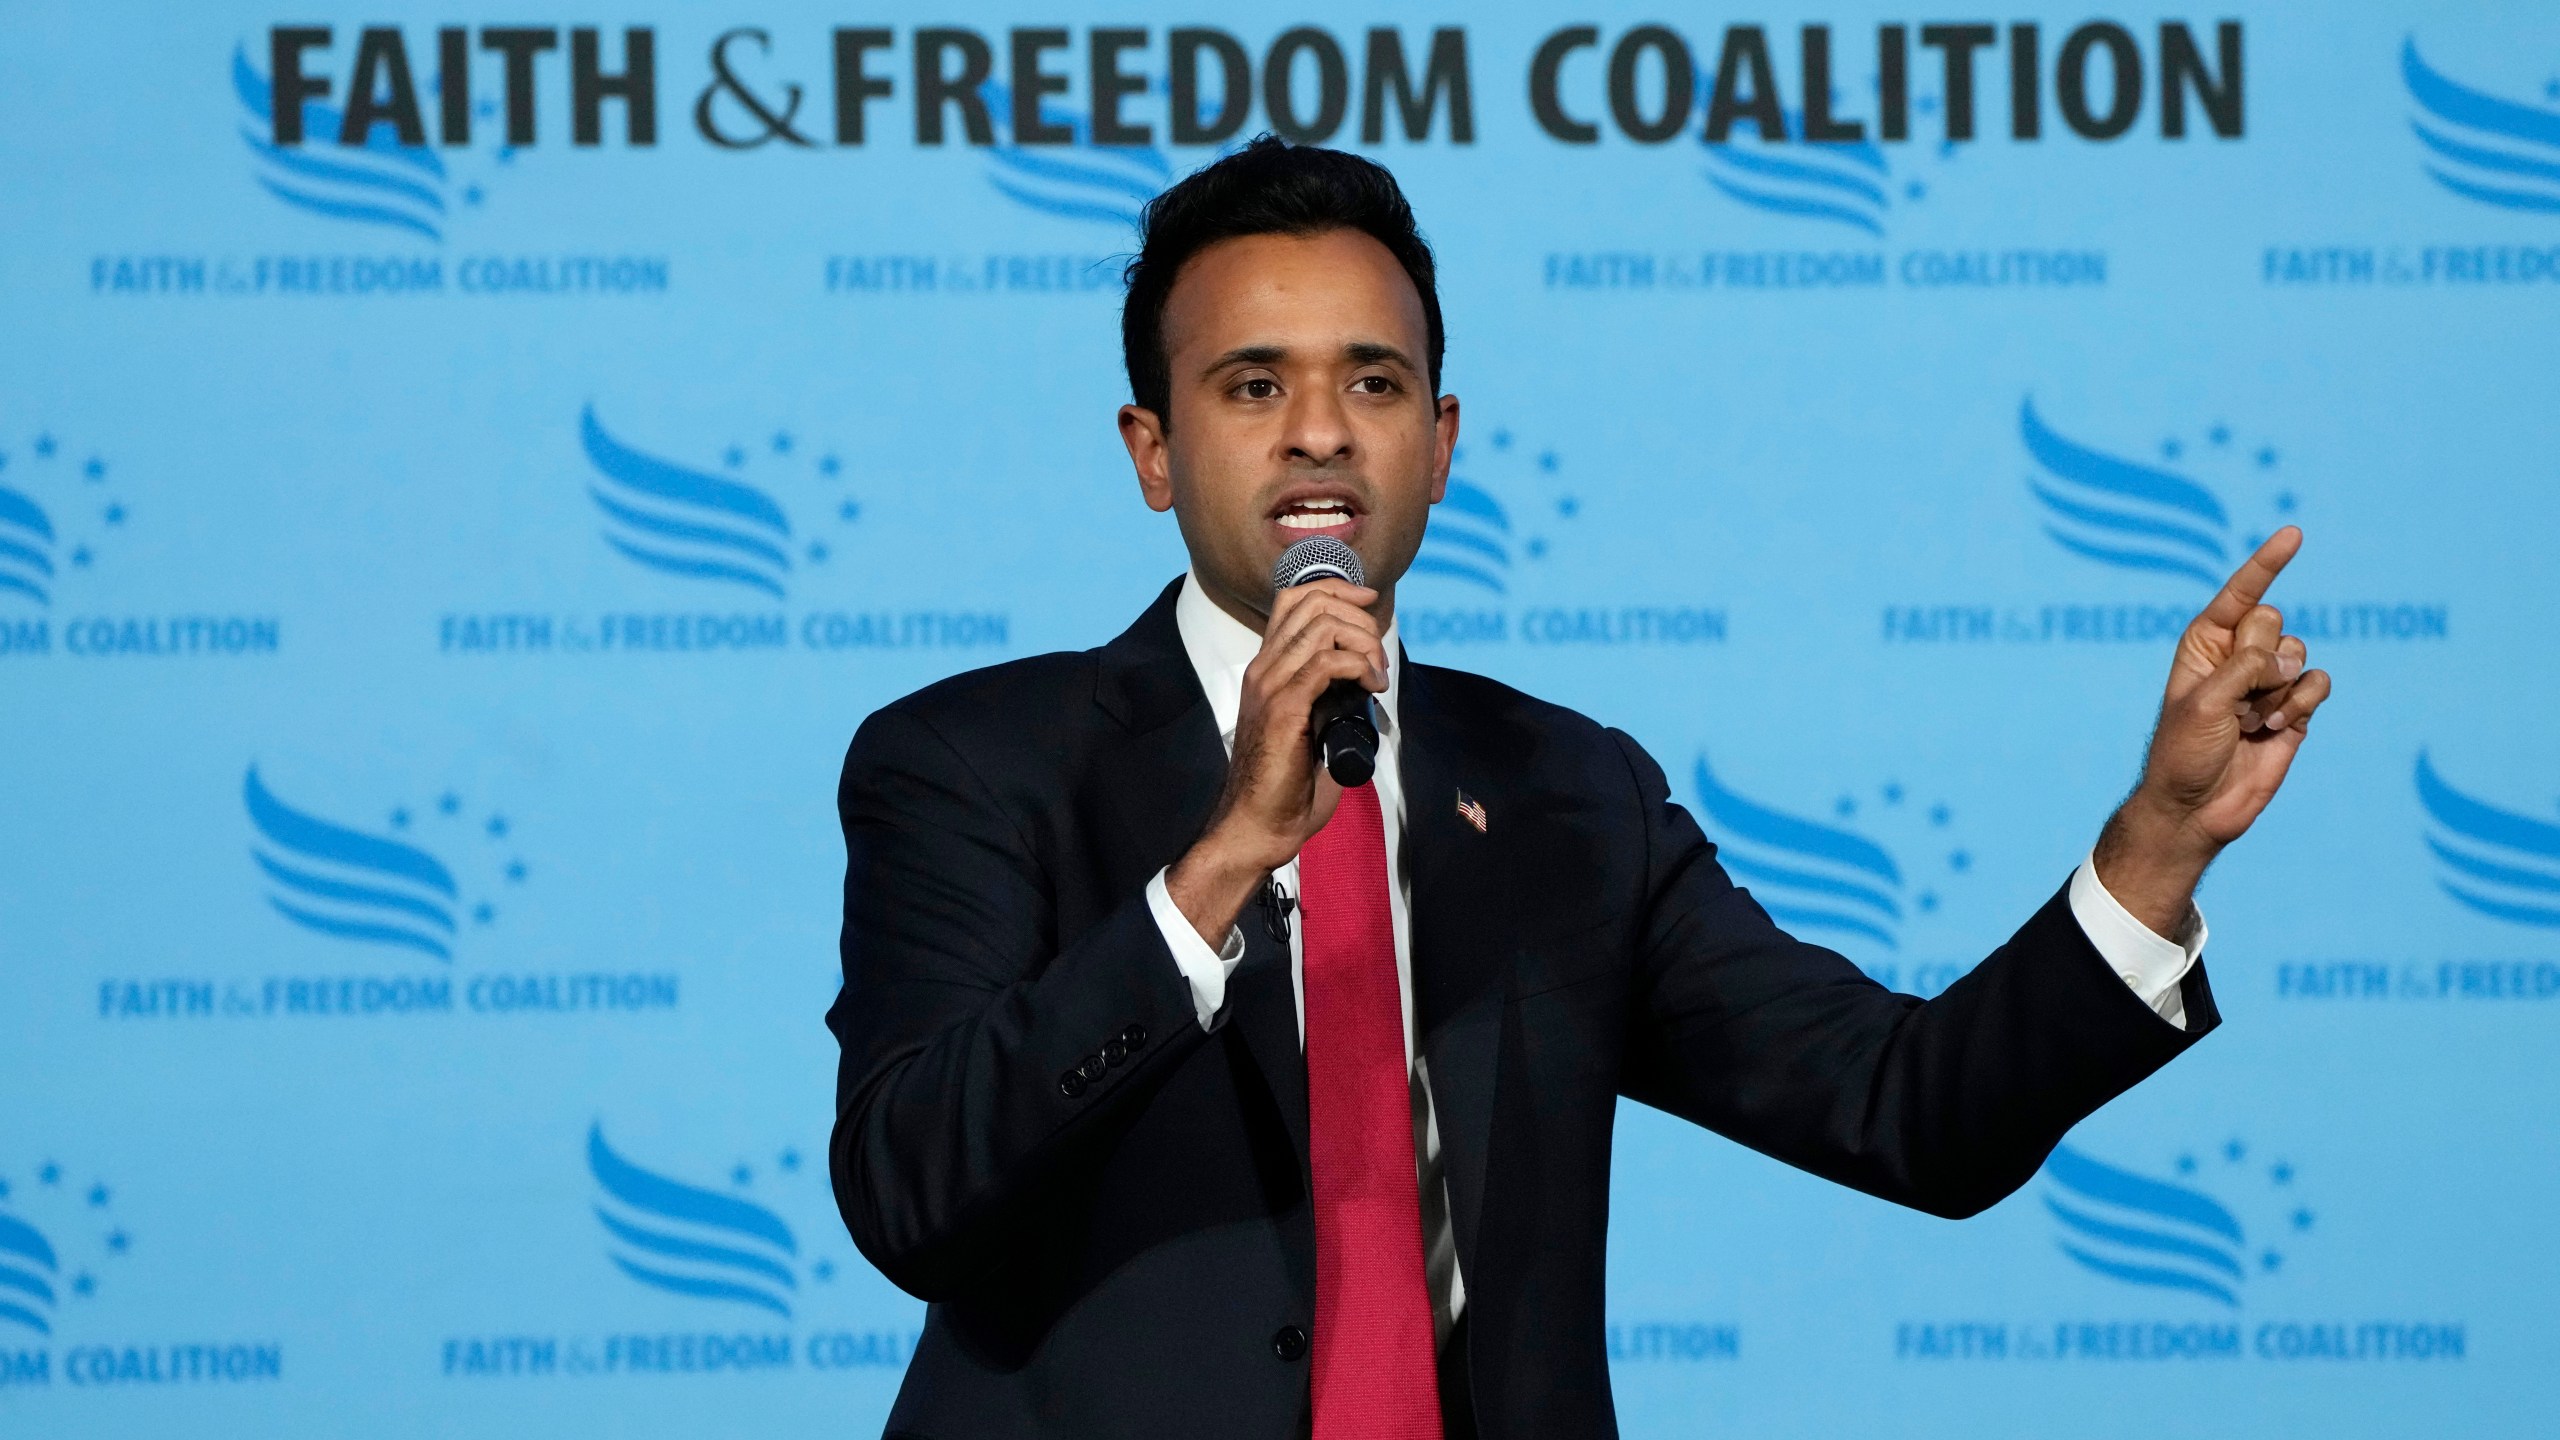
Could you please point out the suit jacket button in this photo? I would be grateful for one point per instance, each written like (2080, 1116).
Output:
(1288, 1342)
(1071, 1084)
(1113, 1052)
(1092, 1067)
(1134, 1035)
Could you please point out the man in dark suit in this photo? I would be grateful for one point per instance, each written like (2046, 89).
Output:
(1202, 1096)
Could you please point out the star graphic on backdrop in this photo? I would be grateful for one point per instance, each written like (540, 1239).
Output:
(2301, 1219)
(85, 1285)
(2266, 457)
(486, 109)
(2233, 1151)
(44, 447)
(118, 1242)
(789, 1160)
(2186, 1164)
(2282, 1173)
(824, 1270)
(1914, 190)
(1929, 900)
(4, 1189)
(97, 1197)
(733, 457)
(2270, 1261)
(1537, 547)
(2171, 449)
(115, 514)
(1960, 861)
(781, 443)
(2551, 89)
(515, 872)
(80, 556)
(471, 195)
(400, 818)
(2285, 502)
(1568, 507)
(484, 913)
(1501, 439)
(741, 1175)
(1844, 807)
(51, 1174)
(2219, 435)
(829, 465)
(1547, 461)
(1939, 814)
(817, 552)
(1892, 794)
(1926, 105)
(449, 803)
(506, 154)
(96, 469)
(1946, 149)
(497, 827)
(849, 511)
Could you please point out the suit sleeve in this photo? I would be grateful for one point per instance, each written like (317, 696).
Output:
(1946, 1105)
(977, 1051)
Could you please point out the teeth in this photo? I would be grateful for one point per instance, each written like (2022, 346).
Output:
(1315, 514)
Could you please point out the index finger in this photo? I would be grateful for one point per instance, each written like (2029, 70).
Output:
(1358, 597)
(2248, 585)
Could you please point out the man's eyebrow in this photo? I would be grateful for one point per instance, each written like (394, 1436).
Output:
(1370, 352)
(1245, 355)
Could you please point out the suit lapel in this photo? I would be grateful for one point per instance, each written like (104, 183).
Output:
(1459, 915)
(1159, 780)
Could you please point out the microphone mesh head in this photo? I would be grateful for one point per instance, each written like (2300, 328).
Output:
(1317, 557)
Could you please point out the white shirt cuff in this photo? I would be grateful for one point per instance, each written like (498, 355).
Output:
(2152, 966)
(1206, 969)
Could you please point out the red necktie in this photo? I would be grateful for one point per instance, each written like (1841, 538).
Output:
(1374, 1372)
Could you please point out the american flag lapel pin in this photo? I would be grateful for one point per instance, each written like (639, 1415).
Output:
(1471, 810)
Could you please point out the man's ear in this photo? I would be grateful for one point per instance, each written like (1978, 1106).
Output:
(1444, 445)
(1143, 433)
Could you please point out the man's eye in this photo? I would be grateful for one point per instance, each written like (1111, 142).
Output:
(1374, 385)
(1257, 389)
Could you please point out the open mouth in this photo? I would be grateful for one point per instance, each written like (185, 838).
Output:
(1327, 514)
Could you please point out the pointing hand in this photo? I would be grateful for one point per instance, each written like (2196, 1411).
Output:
(2237, 706)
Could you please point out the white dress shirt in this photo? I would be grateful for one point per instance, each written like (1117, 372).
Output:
(1220, 647)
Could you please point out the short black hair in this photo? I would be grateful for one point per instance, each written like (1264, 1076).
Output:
(1269, 187)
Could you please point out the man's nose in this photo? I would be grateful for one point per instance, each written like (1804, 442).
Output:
(1318, 428)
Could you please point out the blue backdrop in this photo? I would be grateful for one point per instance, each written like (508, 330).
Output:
(444, 552)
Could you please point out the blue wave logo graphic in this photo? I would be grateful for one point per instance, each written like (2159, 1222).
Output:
(690, 1241)
(2143, 1231)
(2495, 861)
(2480, 146)
(1806, 874)
(1109, 184)
(380, 182)
(347, 884)
(683, 521)
(1838, 182)
(29, 1272)
(26, 548)
(2122, 513)
(1469, 538)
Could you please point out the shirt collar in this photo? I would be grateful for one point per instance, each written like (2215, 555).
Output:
(1221, 646)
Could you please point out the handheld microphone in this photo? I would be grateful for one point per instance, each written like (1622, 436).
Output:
(1343, 726)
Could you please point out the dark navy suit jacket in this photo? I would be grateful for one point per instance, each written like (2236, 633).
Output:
(1107, 1206)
